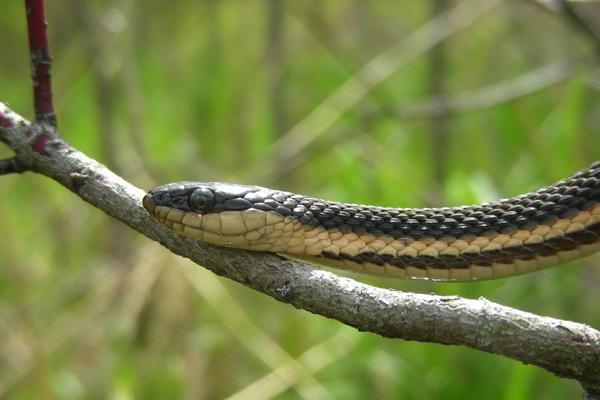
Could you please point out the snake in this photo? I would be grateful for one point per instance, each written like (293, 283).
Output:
(511, 236)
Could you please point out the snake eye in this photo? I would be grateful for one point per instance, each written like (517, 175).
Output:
(202, 200)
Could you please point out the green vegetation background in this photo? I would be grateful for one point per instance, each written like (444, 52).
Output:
(210, 91)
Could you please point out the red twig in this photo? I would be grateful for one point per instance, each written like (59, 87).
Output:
(40, 61)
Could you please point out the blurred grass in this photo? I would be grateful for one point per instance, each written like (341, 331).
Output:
(89, 309)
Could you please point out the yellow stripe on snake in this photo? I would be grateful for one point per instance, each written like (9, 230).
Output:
(512, 236)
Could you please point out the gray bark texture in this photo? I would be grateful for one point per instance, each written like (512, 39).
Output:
(567, 349)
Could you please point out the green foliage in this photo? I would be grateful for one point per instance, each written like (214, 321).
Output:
(207, 91)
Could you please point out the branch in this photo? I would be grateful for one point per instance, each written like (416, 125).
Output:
(40, 62)
(567, 349)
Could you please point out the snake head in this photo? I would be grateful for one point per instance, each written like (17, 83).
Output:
(218, 213)
(200, 197)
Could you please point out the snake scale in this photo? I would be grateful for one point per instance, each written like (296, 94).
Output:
(511, 236)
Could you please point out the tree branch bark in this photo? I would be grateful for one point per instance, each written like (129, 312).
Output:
(568, 349)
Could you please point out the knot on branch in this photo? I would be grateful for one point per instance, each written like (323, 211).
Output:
(43, 139)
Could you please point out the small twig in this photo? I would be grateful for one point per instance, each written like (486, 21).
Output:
(11, 166)
(40, 62)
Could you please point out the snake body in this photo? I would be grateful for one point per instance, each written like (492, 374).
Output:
(511, 236)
